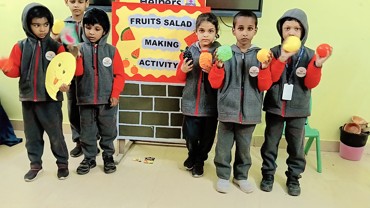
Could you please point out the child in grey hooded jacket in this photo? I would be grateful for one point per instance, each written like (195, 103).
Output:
(294, 74)
(241, 82)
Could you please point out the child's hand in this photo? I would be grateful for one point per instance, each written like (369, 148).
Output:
(266, 63)
(218, 62)
(64, 88)
(320, 60)
(74, 50)
(113, 101)
(284, 55)
(55, 37)
(187, 65)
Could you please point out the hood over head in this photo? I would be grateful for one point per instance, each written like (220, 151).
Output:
(96, 16)
(297, 14)
(40, 11)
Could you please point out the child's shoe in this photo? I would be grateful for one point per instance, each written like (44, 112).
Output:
(267, 182)
(63, 171)
(293, 186)
(244, 185)
(197, 171)
(109, 166)
(77, 151)
(85, 166)
(223, 186)
(32, 174)
(189, 163)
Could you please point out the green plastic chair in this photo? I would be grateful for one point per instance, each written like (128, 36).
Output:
(311, 134)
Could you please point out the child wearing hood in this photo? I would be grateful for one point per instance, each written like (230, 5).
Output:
(29, 60)
(100, 80)
(294, 74)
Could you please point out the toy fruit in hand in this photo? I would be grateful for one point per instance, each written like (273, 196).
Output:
(263, 55)
(292, 44)
(224, 53)
(187, 54)
(58, 26)
(205, 61)
(323, 50)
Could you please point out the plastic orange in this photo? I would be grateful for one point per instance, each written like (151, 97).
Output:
(263, 55)
(205, 60)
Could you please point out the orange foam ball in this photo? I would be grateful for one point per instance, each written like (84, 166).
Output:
(205, 60)
(263, 55)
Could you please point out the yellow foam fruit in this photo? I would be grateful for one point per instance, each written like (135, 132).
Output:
(292, 44)
(263, 55)
(60, 71)
(58, 26)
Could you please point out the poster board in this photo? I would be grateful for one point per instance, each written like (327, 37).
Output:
(150, 38)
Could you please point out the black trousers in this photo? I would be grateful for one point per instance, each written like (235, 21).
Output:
(199, 133)
(294, 134)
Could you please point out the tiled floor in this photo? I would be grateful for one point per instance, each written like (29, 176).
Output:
(165, 183)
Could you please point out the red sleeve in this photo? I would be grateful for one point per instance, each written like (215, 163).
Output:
(313, 75)
(13, 66)
(216, 77)
(61, 49)
(264, 79)
(79, 66)
(277, 67)
(180, 75)
(118, 73)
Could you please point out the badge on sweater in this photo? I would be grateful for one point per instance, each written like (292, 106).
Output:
(253, 71)
(49, 55)
(301, 72)
(107, 62)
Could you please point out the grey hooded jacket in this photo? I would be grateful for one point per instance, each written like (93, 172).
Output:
(35, 58)
(239, 100)
(298, 106)
(97, 58)
(198, 97)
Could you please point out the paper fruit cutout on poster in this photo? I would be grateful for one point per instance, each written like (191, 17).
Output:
(198, 3)
(151, 37)
(60, 71)
(127, 34)
(69, 35)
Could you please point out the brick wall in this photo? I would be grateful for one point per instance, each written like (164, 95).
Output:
(150, 112)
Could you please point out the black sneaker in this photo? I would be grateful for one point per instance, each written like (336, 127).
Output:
(189, 163)
(109, 166)
(85, 166)
(63, 173)
(293, 186)
(197, 171)
(267, 182)
(32, 174)
(77, 151)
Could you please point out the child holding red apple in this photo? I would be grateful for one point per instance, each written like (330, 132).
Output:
(294, 71)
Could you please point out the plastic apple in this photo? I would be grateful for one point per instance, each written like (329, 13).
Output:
(263, 55)
(292, 44)
(323, 49)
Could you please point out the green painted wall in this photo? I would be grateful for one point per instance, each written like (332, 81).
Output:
(344, 86)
